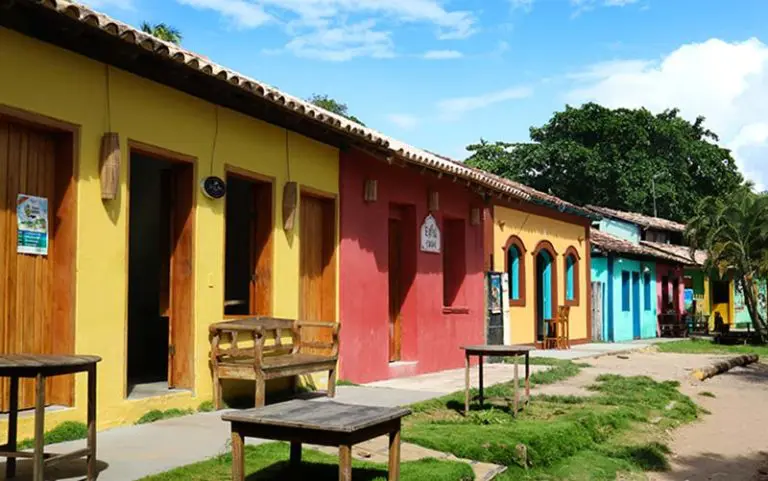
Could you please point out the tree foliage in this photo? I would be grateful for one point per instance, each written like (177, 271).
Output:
(733, 229)
(608, 157)
(163, 32)
(327, 103)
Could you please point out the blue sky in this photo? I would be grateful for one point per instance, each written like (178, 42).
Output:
(441, 74)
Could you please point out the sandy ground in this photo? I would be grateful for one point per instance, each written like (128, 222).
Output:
(731, 444)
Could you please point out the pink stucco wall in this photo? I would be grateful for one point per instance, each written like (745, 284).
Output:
(673, 273)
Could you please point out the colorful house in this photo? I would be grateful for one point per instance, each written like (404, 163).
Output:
(543, 246)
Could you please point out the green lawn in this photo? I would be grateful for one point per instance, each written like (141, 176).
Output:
(700, 346)
(560, 437)
(269, 462)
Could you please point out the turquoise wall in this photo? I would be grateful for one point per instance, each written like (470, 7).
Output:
(622, 230)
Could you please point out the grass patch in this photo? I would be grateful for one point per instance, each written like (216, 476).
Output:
(158, 415)
(344, 382)
(269, 462)
(561, 437)
(707, 394)
(703, 346)
(206, 407)
(66, 431)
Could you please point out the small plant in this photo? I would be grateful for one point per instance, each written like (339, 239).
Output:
(158, 415)
(344, 382)
(206, 407)
(66, 431)
(707, 394)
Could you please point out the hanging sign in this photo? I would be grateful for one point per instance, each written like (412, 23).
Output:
(32, 220)
(430, 235)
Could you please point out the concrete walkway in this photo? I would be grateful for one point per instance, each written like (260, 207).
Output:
(595, 349)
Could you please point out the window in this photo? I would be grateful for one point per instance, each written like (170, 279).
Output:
(647, 290)
(625, 291)
(515, 259)
(571, 277)
(454, 261)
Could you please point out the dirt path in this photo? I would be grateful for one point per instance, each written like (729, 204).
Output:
(731, 444)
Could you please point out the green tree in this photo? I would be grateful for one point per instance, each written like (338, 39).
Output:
(609, 157)
(733, 229)
(162, 31)
(327, 103)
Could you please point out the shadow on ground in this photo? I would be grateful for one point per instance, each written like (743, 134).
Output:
(74, 470)
(710, 466)
(754, 373)
(314, 471)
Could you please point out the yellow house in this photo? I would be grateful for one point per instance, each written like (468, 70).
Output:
(543, 246)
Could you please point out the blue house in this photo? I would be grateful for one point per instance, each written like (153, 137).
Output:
(624, 282)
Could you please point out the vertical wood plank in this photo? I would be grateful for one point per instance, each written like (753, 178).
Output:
(262, 249)
(238, 460)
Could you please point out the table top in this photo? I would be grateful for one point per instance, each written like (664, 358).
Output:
(49, 364)
(509, 350)
(318, 415)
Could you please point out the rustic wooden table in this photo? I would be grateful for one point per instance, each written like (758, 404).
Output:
(40, 367)
(325, 423)
(496, 350)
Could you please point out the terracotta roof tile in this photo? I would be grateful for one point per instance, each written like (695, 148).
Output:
(698, 259)
(608, 243)
(639, 219)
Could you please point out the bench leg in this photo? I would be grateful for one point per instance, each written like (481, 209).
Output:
(38, 465)
(345, 462)
(332, 383)
(295, 454)
(238, 459)
(260, 397)
(217, 396)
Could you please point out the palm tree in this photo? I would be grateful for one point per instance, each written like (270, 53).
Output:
(734, 232)
(162, 31)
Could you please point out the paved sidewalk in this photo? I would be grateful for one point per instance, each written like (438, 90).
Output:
(594, 349)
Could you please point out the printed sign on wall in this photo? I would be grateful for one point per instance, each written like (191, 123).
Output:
(430, 235)
(32, 220)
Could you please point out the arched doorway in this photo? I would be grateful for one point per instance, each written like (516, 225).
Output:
(546, 286)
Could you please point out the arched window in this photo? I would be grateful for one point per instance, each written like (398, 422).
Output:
(514, 253)
(572, 259)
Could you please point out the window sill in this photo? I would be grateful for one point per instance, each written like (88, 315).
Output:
(517, 303)
(455, 310)
(572, 303)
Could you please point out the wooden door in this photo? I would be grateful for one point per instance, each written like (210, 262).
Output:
(180, 328)
(395, 289)
(261, 250)
(317, 292)
(597, 311)
(35, 290)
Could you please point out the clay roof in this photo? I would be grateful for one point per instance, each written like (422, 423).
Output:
(337, 123)
(608, 243)
(639, 219)
(698, 259)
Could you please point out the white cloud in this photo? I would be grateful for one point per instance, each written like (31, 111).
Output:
(725, 82)
(451, 109)
(404, 121)
(442, 54)
(525, 5)
(309, 20)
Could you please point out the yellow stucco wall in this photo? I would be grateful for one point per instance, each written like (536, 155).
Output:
(532, 229)
(47, 80)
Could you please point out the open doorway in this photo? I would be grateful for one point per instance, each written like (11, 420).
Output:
(544, 292)
(159, 274)
(248, 252)
(401, 270)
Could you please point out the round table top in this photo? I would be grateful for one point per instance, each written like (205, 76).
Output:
(26, 364)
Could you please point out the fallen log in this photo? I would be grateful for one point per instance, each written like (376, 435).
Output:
(724, 366)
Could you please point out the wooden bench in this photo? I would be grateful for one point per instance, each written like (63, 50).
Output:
(274, 359)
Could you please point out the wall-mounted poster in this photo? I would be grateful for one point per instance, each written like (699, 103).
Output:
(494, 293)
(430, 235)
(32, 220)
(688, 300)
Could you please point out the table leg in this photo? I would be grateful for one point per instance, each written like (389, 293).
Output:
(517, 381)
(527, 377)
(394, 455)
(38, 466)
(345, 462)
(13, 419)
(480, 367)
(92, 423)
(238, 460)
(466, 384)
(295, 454)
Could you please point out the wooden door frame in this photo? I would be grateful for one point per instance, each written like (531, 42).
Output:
(64, 267)
(397, 330)
(163, 154)
(254, 178)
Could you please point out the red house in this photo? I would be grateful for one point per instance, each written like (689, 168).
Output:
(405, 307)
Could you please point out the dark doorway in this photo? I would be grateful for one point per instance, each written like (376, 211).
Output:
(248, 256)
(544, 290)
(636, 307)
(159, 275)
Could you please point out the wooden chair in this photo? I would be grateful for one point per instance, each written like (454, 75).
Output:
(558, 330)
(261, 362)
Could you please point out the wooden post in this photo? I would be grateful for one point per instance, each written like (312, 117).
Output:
(238, 459)
(92, 423)
(480, 380)
(38, 458)
(215, 367)
(332, 383)
(527, 377)
(517, 396)
(295, 454)
(13, 418)
(466, 384)
(260, 395)
(394, 454)
(345, 462)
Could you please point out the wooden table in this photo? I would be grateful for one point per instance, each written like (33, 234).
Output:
(325, 423)
(40, 367)
(497, 350)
